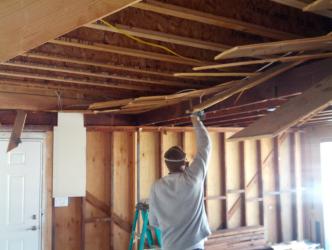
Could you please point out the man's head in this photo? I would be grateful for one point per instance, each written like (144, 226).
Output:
(175, 159)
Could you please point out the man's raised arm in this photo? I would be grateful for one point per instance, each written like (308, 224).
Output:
(198, 168)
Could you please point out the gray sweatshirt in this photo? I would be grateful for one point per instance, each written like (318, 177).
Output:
(177, 201)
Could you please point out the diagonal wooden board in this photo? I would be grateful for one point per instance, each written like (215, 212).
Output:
(297, 109)
(15, 137)
(26, 24)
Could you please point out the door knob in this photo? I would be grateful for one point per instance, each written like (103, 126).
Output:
(33, 228)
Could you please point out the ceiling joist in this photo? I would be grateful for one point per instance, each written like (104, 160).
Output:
(223, 22)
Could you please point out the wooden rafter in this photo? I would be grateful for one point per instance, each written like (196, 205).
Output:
(99, 75)
(160, 36)
(193, 15)
(268, 60)
(300, 108)
(300, 5)
(266, 49)
(74, 81)
(127, 52)
(27, 24)
(318, 5)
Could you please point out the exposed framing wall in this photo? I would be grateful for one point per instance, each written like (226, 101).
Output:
(248, 183)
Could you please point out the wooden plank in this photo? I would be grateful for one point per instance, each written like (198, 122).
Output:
(271, 48)
(39, 22)
(318, 5)
(293, 180)
(106, 75)
(223, 22)
(242, 183)
(74, 81)
(127, 52)
(217, 74)
(299, 108)
(160, 36)
(15, 137)
(245, 85)
(300, 5)
(82, 61)
(267, 60)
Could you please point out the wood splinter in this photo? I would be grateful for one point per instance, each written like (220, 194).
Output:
(15, 137)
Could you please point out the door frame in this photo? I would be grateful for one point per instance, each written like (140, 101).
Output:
(45, 202)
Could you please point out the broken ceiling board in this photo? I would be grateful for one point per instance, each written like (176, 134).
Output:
(160, 36)
(245, 84)
(267, 60)
(300, 5)
(15, 137)
(128, 52)
(299, 108)
(27, 24)
(318, 5)
(266, 49)
(223, 22)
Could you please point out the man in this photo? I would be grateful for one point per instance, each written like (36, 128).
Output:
(177, 200)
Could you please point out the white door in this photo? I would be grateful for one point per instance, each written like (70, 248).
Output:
(20, 195)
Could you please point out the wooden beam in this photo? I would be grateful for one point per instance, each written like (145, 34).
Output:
(299, 108)
(266, 49)
(81, 61)
(245, 85)
(217, 74)
(259, 161)
(127, 52)
(15, 137)
(300, 5)
(267, 60)
(99, 75)
(223, 22)
(160, 36)
(75, 81)
(27, 24)
(318, 5)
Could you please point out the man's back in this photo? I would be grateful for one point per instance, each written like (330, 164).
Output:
(177, 201)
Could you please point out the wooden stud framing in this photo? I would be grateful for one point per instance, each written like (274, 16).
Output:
(223, 22)
(260, 180)
(223, 182)
(318, 5)
(160, 36)
(242, 184)
(293, 178)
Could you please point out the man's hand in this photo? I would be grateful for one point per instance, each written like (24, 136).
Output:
(194, 119)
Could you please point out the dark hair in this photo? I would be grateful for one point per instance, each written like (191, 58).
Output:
(175, 153)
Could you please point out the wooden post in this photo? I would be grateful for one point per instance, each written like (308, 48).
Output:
(293, 185)
(260, 181)
(223, 179)
(82, 223)
(112, 186)
(242, 184)
(277, 187)
(15, 137)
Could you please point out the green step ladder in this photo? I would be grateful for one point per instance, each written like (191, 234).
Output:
(146, 233)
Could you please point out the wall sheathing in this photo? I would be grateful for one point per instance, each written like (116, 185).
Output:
(248, 183)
